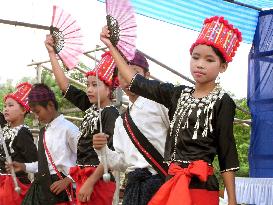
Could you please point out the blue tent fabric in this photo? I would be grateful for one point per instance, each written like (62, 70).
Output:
(190, 15)
(260, 97)
(263, 4)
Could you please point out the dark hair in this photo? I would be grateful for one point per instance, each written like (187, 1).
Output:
(2, 120)
(41, 94)
(219, 54)
(44, 104)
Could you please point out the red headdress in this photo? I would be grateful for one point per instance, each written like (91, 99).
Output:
(21, 94)
(106, 70)
(217, 32)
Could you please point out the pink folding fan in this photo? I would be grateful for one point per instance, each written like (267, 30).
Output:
(67, 37)
(121, 23)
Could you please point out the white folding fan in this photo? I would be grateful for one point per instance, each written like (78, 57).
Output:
(121, 23)
(67, 37)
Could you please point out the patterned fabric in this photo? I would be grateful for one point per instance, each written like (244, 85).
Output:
(90, 121)
(10, 134)
(217, 32)
(141, 187)
(40, 93)
(21, 94)
(106, 70)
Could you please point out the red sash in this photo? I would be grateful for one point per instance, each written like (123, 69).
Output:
(178, 185)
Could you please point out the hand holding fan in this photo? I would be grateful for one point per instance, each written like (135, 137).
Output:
(9, 160)
(67, 37)
(121, 23)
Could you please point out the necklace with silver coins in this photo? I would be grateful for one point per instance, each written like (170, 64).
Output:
(185, 106)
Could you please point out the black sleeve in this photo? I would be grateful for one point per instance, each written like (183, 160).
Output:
(162, 93)
(25, 149)
(2, 120)
(227, 152)
(109, 116)
(77, 97)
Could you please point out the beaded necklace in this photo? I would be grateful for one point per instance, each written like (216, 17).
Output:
(185, 107)
(90, 121)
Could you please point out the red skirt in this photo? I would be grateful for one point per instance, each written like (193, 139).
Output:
(8, 196)
(204, 197)
(103, 192)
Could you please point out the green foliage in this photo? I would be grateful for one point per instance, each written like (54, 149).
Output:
(47, 79)
(4, 90)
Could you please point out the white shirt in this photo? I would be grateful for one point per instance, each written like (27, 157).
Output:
(152, 120)
(61, 138)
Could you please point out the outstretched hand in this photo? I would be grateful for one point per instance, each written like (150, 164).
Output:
(49, 43)
(104, 36)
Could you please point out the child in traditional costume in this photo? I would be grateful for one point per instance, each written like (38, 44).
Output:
(57, 147)
(201, 118)
(90, 188)
(139, 141)
(19, 142)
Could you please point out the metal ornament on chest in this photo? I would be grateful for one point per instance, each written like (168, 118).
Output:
(90, 121)
(187, 104)
(10, 134)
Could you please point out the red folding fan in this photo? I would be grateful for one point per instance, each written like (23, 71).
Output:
(67, 37)
(121, 23)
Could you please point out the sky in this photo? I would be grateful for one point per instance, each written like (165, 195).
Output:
(167, 43)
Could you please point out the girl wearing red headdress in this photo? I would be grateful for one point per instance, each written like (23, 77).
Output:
(20, 145)
(201, 118)
(90, 188)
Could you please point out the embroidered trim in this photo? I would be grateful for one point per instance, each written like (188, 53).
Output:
(132, 81)
(187, 105)
(90, 121)
(10, 134)
(230, 169)
(1, 174)
(153, 155)
(88, 165)
(64, 94)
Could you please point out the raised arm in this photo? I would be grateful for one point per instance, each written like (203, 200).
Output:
(58, 72)
(122, 65)
(163, 93)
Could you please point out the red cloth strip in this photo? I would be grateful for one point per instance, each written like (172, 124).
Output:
(103, 192)
(178, 185)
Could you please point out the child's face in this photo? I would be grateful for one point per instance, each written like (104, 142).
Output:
(93, 88)
(124, 85)
(13, 111)
(42, 113)
(205, 64)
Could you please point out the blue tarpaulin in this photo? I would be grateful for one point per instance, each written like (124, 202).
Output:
(260, 98)
(191, 14)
